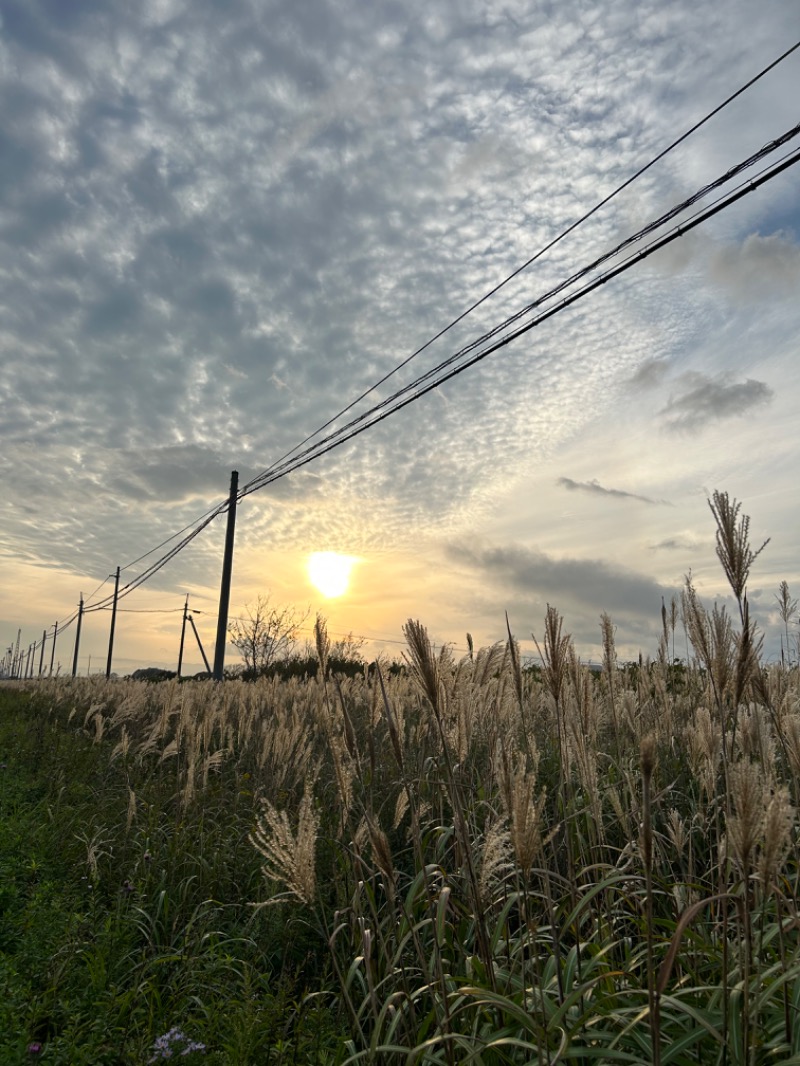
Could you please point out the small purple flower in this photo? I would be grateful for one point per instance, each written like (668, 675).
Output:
(174, 1043)
(34, 1048)
(127, 887)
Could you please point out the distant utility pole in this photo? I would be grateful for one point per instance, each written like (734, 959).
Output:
(53, 652)
(113, 623)
(183, 634)
(225, 587)
(77, 638)
(41, 653)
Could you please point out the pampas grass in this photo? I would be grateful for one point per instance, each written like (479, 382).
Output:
(496, 863)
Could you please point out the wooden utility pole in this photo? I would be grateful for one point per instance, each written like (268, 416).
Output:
(225, 587)
(77, 638)
(53, 651)
(41, 653)
(113, 623)
(183, 634)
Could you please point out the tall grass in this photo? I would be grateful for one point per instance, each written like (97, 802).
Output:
(469, 861)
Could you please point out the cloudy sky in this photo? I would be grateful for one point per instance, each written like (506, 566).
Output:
(221, 222)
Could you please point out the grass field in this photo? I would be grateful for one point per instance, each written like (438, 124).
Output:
(467, 862)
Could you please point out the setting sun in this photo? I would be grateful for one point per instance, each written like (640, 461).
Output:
(330, 572)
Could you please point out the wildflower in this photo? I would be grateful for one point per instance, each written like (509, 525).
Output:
(34, 1048)
(174, 1043)
(127, 887)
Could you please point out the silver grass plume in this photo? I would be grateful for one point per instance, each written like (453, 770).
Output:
(778, 825)
(323, 644)
(745, 825)
(289, 857)
(733, 542)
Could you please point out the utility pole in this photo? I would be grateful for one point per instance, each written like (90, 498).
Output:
(113, 623)
(183, 634)
(53, 652)
(199, 643)
(41, 653)
(28, 672)
(225, 587)
(17, 660)
(77, 638)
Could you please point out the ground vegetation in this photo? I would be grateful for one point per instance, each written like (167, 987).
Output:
(464, 862)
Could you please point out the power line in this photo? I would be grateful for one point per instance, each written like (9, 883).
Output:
(134, 583)
(446, 369)
(542, 251)
(146, 610)
(213, 512)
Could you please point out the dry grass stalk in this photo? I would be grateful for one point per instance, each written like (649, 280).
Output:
(705, 750)
(555, 657)
(744, 827)
(648, 762)
(610, 670)
(323, 644)
(131, 814)
(494, 859)
(289, 857)
(757, 740)
(381, 852)
(733, 543)
(428, 670)
(778, 825)
(524, 809)
(787, 607)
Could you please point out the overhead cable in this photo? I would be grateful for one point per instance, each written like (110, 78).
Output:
(421, 385)
(542, 251)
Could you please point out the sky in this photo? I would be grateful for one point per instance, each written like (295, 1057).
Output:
(222, 222)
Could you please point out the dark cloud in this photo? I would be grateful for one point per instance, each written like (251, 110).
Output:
(588, 585)
(596, 489)
(681, 544)
(650, 374)
(703, 399)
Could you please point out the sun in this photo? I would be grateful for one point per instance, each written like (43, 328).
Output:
(330, 572)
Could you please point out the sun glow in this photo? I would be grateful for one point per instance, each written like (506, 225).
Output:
(330, 572)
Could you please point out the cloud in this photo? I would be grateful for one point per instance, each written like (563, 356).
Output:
(590, 586)
(650, 373)
(595, 488)
(760, 267)
(704, 399)
(681, 544)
